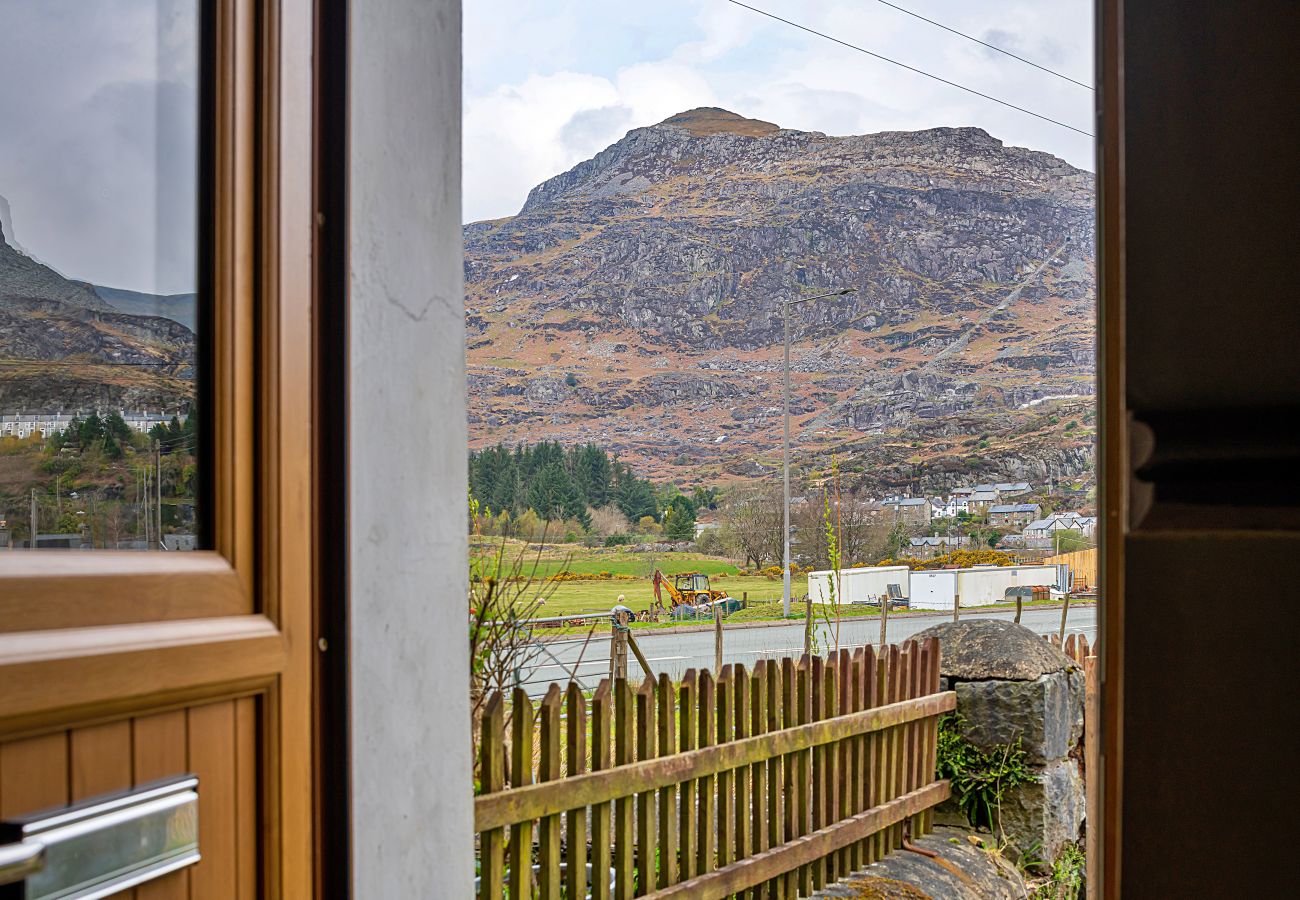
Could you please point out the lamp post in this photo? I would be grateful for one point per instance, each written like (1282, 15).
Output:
(785, 446)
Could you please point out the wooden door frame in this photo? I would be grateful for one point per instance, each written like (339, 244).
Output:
(157, 631)
(1114, 470)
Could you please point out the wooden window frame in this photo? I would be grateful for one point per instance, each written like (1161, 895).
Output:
(91, 636)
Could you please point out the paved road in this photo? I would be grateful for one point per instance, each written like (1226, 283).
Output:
(675, 652)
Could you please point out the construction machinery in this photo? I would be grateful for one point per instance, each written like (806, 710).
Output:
(687, 589)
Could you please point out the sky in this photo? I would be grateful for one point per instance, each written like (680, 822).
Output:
(98, 140)
(549, 83)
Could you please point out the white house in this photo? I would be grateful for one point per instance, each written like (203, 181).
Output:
(1041, 532)
(24, 424)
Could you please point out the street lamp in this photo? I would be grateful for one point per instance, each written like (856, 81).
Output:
(785, 447)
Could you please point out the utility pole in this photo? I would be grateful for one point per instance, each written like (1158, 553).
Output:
(785, 470)
(785, 444)
(148, 513)
(158, 454)
(31, 544)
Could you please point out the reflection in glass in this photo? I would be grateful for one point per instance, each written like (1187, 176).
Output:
(98, 273)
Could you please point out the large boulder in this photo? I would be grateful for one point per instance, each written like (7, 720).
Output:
(1046, 714)
(1013, 685)
(983, 649)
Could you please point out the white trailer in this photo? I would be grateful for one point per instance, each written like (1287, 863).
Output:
(933, 589)
(868, 583)
(986, 585)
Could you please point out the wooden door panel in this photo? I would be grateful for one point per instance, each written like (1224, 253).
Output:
(216, 741)
(158, 750)
(33, 774)
(120, 668)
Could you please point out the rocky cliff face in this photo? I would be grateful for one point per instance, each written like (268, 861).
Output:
(635, 299)
(63, 347)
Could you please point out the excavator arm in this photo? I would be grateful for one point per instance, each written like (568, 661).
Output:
(660, 582)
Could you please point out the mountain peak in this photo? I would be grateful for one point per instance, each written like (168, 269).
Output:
(707, 120)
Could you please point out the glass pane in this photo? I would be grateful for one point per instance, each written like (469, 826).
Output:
(99, 103)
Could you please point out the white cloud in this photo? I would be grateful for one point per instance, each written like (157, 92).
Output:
(730, 57)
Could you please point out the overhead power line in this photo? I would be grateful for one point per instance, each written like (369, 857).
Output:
(902, 65)
(969, 37)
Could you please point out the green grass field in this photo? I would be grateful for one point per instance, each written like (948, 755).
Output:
(572, 597)
(637, 588)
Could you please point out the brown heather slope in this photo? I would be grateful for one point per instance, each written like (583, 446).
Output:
(634, 301)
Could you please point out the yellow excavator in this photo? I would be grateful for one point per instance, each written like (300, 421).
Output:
(689, 588)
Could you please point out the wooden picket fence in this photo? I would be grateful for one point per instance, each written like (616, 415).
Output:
(765, 784)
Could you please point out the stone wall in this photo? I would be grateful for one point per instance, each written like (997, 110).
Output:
(1011, 684)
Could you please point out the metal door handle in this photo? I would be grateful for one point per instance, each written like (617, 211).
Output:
(101, 846)
(17, 861)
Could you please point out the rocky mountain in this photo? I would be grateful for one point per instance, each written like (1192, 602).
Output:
(636, 300)
(62, 346)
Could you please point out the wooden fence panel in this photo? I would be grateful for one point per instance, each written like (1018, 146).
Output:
(742, 800)
(575, 870)
(549, 770)
(804, 715)
(688, 697)
(767, 784)
(601, 702)
(817, 765)
(624, 834)
(706, 805)
(521, 773)
(668, 813)
(725, 719)
(647, 741)
(492, 753)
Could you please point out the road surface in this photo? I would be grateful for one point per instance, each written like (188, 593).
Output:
(674, 652)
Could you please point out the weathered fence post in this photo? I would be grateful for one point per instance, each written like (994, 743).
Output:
(717, 638)
(521, 773)
(618, 649)
(493, 779)
(740, 704)
(600, 760)
(575, 872)
(667, 795)
(1065, 611)
(884, 619)
(705, 805)
(725, 719)
(807, 625)
(687, 697)
(956, 607)
(624, 835)
(646, 748)
(548, 857)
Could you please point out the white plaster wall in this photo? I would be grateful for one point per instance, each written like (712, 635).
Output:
(411, 791)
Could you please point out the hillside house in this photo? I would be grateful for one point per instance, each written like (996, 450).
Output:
(930, 546)
(909, 510)
(982, 500)
(1014, 513)
(1007, 489)
(957, 503)
(24, 424)
(1041, 533)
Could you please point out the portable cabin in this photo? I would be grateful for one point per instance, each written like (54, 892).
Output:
(861, 585)
(933, 588)
(986, 585)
